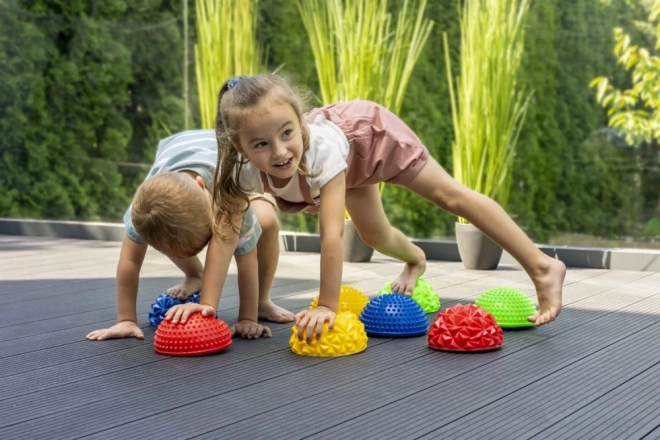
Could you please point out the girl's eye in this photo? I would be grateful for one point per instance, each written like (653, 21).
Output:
(287, 134)
(260, 145)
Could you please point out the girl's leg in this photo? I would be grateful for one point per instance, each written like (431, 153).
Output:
(366, 211)
(268, 254)
(547, 273)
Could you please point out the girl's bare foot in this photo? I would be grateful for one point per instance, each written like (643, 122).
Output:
(549, 283)
(274, 313)
(186, 288)
(405, 283)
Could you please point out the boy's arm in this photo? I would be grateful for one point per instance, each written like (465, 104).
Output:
(331, 219)
(128, 278)
(131, 258)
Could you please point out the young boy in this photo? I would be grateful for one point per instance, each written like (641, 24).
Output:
(171, 211)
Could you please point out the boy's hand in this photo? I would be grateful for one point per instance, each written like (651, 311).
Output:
(250, 329)
(310, 320)
(181, 312)
(123, 329)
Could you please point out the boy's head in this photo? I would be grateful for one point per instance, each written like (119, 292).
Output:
(172, 212)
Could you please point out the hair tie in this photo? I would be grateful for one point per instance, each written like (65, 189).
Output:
(231, 82)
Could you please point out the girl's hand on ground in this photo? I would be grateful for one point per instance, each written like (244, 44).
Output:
(124, 329)
(250, 329)
(181, 312)
(311, 322)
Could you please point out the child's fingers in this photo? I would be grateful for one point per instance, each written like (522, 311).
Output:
(184, 315)
(267, 331)
(311, 326)
(319, 328)
(302, 326)
(299, 316)
(176, 314)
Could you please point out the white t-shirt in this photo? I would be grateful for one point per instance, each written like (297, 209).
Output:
(326, 157)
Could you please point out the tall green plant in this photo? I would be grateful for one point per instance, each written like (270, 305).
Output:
(226, 46)
(357, 53)
(488, 106)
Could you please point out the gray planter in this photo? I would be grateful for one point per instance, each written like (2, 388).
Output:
(355, 250)
(477, 251)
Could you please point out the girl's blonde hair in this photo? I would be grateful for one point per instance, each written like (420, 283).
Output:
(171, 214)
(237, 97)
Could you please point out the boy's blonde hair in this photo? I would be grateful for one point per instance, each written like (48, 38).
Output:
(237, 97)
(171, 214)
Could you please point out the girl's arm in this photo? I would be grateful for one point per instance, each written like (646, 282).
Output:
(218, 258)
(331, 221)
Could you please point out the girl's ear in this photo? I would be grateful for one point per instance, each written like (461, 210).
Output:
(200, 182)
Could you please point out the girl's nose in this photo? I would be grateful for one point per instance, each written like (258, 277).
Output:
(279, 149)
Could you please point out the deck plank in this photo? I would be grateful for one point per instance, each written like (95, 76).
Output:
(592, 373)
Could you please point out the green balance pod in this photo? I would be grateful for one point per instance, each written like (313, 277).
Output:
(509, 306)
(423, 294)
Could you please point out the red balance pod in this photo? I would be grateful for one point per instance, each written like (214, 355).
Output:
(465, 328)
(197, 336)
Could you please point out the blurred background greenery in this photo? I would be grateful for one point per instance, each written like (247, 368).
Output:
(88, 87)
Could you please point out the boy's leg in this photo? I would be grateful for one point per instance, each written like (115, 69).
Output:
(547, 273)
(194, 271)
(366, 210)
(268, 254)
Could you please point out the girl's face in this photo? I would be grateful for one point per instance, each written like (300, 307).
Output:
(271, 138)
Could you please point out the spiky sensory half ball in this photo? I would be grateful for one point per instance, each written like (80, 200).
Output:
(509, 306)
(163, 303)
(347, 337)
(394, 315)
(465, 328)
(197, 336)
(351, 300)
(424, 294)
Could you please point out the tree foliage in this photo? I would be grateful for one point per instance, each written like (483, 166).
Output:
(88, 89)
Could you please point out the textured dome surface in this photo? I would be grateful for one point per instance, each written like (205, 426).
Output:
(424, 294)
(198, 335)
(465, 328)
(351, 300)
(347, 337)
(394, 315)
(509, 306)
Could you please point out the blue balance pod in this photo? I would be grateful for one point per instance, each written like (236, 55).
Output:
(394, 316)
(163, 303)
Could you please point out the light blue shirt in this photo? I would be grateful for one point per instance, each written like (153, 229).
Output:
(196, 151)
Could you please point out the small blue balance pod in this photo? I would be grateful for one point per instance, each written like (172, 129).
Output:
(163, 303)
(394, 316)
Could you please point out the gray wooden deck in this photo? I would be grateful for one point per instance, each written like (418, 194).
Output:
(594, 373)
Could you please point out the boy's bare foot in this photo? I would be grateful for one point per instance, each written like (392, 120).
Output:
(405, 283)
(549, 284)
(269, 311)
(186, 288)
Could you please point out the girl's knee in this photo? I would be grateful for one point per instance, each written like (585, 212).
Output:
(269, 223)
(454, 202)
(375, 237)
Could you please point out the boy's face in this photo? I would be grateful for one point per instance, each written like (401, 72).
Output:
(271, 138)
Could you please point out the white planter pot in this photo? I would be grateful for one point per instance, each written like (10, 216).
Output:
(477, 250)
(355, 250)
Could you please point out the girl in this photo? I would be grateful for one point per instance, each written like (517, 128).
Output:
(334, 158)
